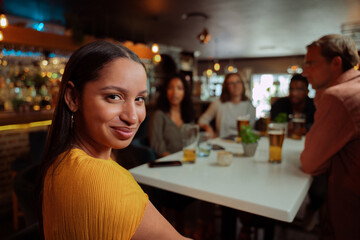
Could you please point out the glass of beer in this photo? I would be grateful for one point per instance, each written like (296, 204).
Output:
(263, 123)
(298, 126)
(190, 138)
(242, 120)
(276, 134)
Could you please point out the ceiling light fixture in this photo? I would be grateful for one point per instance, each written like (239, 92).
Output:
(204, 36)
(209, 72)
(217, 66)
(294, 69)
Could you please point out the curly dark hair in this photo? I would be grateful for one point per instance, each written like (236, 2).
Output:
(187, 107)
(300, 78)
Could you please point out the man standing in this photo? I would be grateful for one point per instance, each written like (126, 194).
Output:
(333, 143)
(297, 101)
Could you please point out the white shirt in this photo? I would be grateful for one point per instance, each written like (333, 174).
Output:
(226, 115)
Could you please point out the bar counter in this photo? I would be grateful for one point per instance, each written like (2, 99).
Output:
(7, 117)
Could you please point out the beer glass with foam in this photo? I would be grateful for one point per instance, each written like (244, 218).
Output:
(242, 120)
(276, 135)
(190, 138)
(298, 125)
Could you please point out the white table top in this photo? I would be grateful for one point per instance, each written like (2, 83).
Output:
(250, 184)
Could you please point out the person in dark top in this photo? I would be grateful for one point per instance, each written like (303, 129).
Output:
(297, 101)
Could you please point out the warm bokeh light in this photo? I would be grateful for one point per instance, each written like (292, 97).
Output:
(157, 58)
(209, 72)
(36, 107)
(155, 48)
(44, 62)
(3, 21)
(230, 68)
(294, 69)
(55, 61)
(216, 66)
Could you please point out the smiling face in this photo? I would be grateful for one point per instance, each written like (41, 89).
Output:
(175, 92)
(111, 108)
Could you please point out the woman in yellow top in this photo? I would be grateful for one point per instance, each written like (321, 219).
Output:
(84, 193)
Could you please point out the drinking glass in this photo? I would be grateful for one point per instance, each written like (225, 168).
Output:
(297, 125)
(276, 134)
(190, 138)
(242, 120)
(204, 145)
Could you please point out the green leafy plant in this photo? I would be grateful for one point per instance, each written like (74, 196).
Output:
(248, 135)
(281, 118)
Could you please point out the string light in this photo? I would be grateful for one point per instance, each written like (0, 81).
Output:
(155, 48)
(216, 66)
(157, 58)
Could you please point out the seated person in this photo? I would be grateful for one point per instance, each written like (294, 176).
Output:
(297, 101)
(174, 108)
(84, 193)
(232, 103)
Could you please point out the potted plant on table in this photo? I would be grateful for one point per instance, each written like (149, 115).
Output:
(249, 140)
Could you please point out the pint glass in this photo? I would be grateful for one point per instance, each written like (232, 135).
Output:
(276, 134)
(243, 120)
(190, 138)
(298, 126)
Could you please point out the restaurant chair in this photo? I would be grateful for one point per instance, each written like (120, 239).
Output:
(17, 213)
(23, 174)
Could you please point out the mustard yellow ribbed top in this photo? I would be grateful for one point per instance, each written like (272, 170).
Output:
(91, 198)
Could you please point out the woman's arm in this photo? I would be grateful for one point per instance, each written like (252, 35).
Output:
(252, 112)
(154, 226)
(156, 134)
(208, 116)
